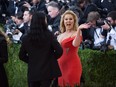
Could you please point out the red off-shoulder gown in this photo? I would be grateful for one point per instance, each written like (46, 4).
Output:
(70, 64)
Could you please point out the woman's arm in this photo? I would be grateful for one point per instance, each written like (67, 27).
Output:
(76, 42)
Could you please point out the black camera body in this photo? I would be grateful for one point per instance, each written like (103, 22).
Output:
(87, 44)
(102, 48)
(90, 45)
(101, 22)
(9, 27)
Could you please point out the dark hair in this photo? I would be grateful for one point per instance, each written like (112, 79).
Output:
(31, 12)
(19, 15)
(112, 14)
(38, 28)
(80, 1)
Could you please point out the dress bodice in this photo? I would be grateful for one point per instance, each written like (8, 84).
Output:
(67, 45)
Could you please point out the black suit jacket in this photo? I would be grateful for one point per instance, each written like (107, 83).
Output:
(41, 59)
(55, 22)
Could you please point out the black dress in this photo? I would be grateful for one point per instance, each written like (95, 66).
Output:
(3, 59)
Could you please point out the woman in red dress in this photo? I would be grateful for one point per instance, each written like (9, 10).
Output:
(70, 39)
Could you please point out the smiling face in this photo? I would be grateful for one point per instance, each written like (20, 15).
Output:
(69, 21)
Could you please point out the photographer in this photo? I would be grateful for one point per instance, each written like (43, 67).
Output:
(54, 17)
(92, 37)
(15, 29)
(10, 25)
(20, 29)
(110, 33)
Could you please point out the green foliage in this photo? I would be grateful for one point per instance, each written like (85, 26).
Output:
(16, 69)
(99, 68)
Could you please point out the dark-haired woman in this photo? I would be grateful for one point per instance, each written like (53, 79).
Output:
(40, 50)
(3, 59)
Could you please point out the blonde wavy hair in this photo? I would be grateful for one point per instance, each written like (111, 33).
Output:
(62, 26)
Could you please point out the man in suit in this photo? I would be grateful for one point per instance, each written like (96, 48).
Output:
(53, 12)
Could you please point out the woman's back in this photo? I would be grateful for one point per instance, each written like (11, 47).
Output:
(40, 49)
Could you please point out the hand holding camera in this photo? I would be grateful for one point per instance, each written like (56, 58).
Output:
(16, 31)
(106, 25)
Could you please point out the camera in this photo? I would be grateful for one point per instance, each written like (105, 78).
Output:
(103, 47)
(9, 27)
(101, 22)
(87, 44)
